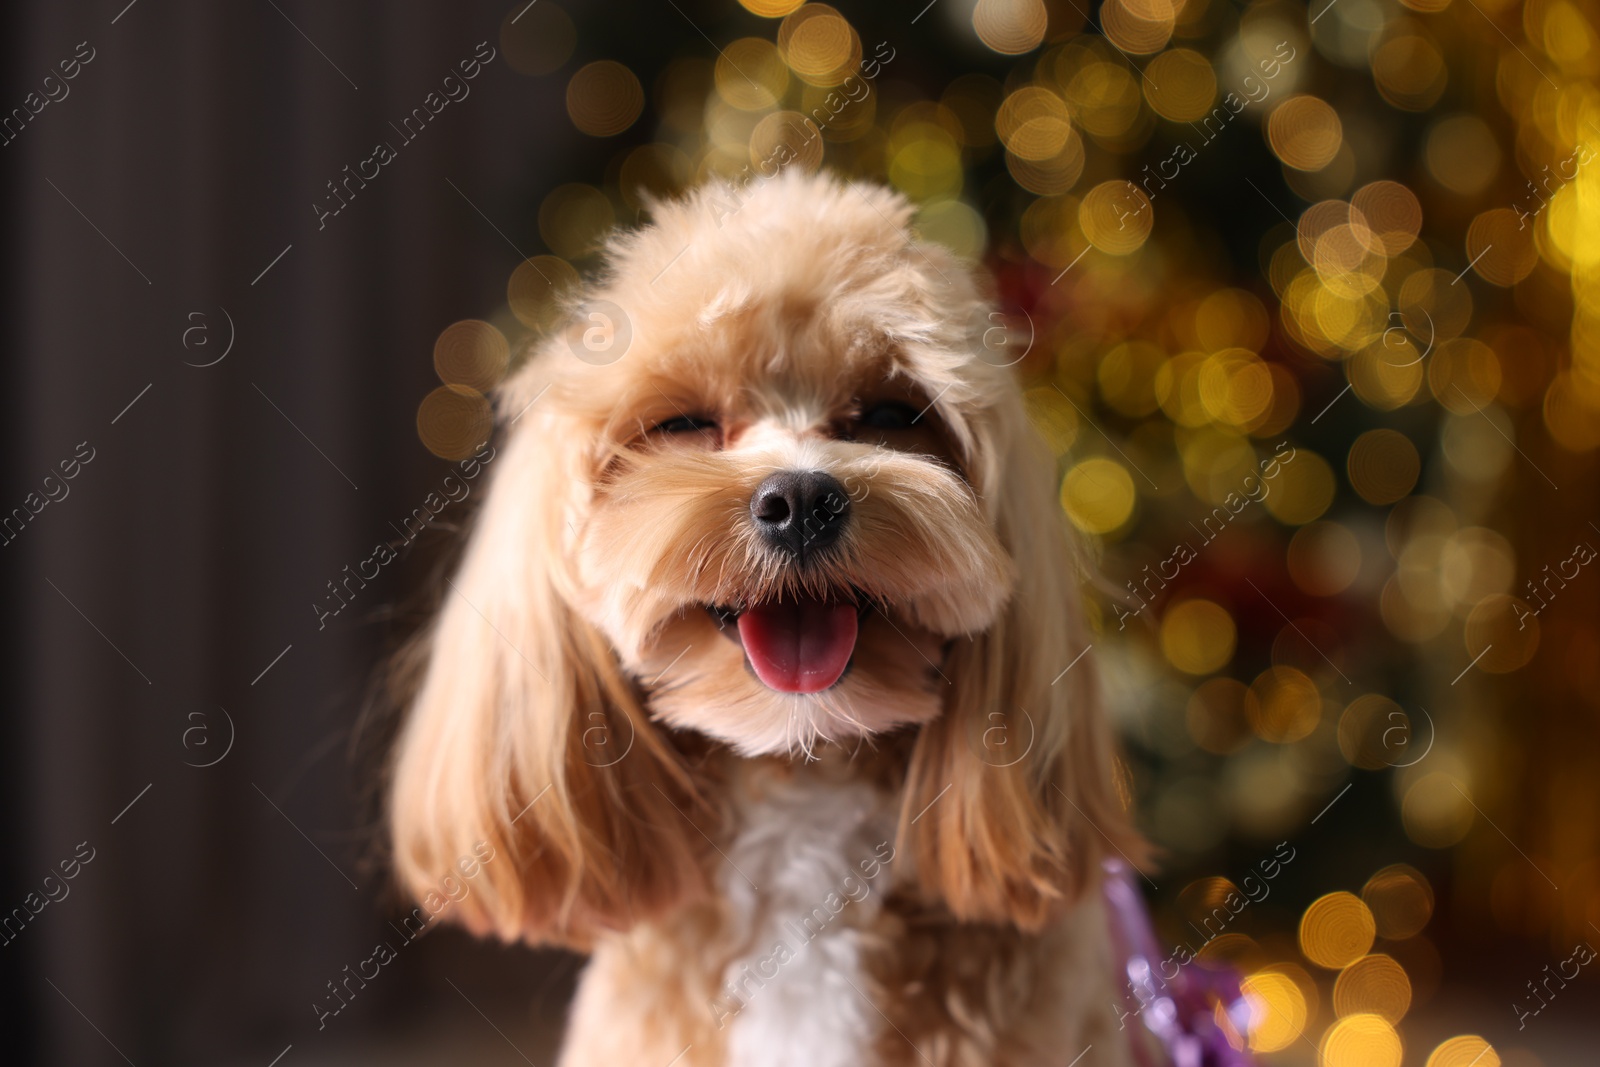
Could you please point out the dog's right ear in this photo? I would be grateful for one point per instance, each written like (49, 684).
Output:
(526, 756)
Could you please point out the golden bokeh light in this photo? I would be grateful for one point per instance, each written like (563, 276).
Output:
(604, 98)
(1139, 27)
(537, 289)
(1364, 1040)
(575, 219)
(1116, 217)
(785, 138)
(819, 44)
(1502, 633)
(1336, 930)
(1401, 901)
(770, 9)
(1324, 558)
(1462, 154)
(1437, 811)
(1373, 985)
(1383, 466)
(1278, 1012)
(1409, 71)
(1465, 1050)
(1392, 215)
(1098, 495)
(750, 74)
(454, 421)
(472, 353)
(1283, 705)
(1303, 491)
(1197, 636)
(1304, 132)
(1033, 123)
(1010, 27)
(1373, 731)
(1180, 85)
(1501, 247)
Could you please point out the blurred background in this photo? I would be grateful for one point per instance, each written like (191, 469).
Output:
(1305, 298)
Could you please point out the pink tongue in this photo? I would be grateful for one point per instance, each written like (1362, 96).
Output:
(799, 647)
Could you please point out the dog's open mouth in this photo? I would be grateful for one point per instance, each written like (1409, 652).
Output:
(796, 644)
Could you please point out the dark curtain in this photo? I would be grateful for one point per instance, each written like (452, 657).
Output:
(162, 596)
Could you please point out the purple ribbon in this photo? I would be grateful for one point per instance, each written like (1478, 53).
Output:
(1179, 1011)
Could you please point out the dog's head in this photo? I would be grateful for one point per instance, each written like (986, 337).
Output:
(769, 489)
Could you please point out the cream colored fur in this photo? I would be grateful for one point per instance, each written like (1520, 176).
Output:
(658, 805)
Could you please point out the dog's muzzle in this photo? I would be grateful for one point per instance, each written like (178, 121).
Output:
(800, 512)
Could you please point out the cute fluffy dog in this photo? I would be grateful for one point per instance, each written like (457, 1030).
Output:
(752, 670)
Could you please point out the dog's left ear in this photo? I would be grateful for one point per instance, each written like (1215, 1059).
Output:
(1011, 798)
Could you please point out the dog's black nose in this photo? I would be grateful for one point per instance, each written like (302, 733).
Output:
(800, 511)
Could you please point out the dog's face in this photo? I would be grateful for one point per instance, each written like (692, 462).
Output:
(777, 525)
(800, 503)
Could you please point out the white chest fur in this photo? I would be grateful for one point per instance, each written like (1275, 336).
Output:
(805, 874)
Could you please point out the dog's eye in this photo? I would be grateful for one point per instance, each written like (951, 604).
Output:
(888, 415)
(685, 424)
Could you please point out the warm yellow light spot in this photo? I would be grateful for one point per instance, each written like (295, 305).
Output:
(538, 40)
(604, 98)
(1361, 1041)
(1500, 247)
(1373, 732)
(1303, 489)
(1116, 217)
(1383, 466)
(1277, 1010)
(1336, 930)
(1033, 123)
(1283, 705)
(1098, 495)
(1180, 85)
(785, 139)
(472, 353)
(1437, 811)
(1401, 901)
(819, 44)
(1197, 636)
(770, 9)
(1140, 27)
(1502, 632)
(454, 421)
(1409, 71)
(751, 75)
(1010, 27)
(574, 220)
(1304, 132)
(1374, 985)
(1462, 154)
(536, 289)
(1465, 1050)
